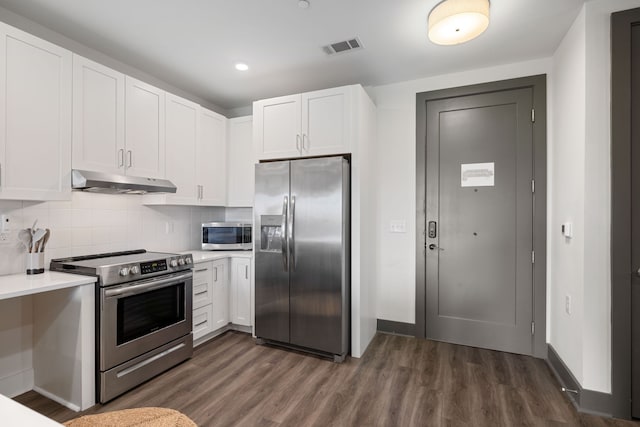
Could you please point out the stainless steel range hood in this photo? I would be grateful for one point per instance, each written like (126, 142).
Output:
(100, 182)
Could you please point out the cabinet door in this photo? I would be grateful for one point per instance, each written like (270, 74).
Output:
(98, 117)
(241, 291)
(240, 172)
(220, 294)
(202, 284)
(144, 129)
(211, 159)
(326, 122)
(35, 117)
(276, 130)
(181, 139)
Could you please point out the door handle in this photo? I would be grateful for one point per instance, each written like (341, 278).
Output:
(298, 143)
(305, 138)
(130, 154)
(121, 157)
(433, 246)
(292, 236)
(283, 237)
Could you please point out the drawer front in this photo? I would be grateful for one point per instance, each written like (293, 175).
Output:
(202, 294)
(202, 321)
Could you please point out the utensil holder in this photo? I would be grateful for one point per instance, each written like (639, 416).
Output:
(35, 263)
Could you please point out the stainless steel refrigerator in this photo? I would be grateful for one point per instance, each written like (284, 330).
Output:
(302, 254)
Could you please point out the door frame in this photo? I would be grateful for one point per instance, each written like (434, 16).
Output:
(621, 268)
(538, 85)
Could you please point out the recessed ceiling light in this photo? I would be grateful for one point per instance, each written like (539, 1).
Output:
(241, 66)
(458, 21)
(303, 4)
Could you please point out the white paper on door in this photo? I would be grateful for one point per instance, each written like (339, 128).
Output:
(477, 174)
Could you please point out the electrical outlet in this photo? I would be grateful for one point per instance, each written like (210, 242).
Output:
(567, 304)
(5, 238)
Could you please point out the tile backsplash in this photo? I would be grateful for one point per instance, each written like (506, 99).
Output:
(94, 223)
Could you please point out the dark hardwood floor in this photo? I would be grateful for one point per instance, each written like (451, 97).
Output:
(400, 381)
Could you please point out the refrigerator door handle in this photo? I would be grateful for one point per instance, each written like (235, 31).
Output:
(285, 206)
(292, 236)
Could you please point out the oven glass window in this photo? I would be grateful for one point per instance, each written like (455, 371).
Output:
(222, 235)
(140, 315)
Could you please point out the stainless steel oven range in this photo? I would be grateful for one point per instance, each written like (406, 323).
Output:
(143, 314)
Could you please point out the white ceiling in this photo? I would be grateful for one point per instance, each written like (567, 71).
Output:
(193, 44)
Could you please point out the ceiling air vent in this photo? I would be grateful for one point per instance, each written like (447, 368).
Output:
(344, 46)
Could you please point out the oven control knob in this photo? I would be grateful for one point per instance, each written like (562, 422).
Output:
(188, 260)
(124, 271)
(174, 263)
(181, 261)
(134, 270)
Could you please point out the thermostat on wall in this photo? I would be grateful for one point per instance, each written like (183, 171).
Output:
(567, 230)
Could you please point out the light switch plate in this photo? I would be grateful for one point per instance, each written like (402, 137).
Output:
(398, 226)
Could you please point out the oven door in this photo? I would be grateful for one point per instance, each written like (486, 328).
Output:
(140, 316)
(226, 237)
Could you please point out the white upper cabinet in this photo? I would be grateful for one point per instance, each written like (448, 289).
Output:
(211, 159)
(98, 117)
(240, 169)
(277, 127)
(182, 118)
(35, 118)
(144, 129)
(311, 124)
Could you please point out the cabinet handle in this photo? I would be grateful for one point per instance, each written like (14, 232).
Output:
(121, 157)
(130, 154)
(202, 292)
(201, 192)
(198, 324)
(199, 270)
(246, 272)
(305, 138)
(298, 143)
(0, 174)
(215, 274)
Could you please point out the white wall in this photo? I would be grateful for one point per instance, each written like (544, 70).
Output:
(566, 191)
(95, 223)
(395, 178)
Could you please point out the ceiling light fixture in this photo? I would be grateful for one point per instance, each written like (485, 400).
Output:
(241, 66)
(303, 4)
(458, 21)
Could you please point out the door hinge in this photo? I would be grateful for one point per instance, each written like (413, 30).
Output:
(533, 257)
(533, 185)
(533, 115)
(533, 328)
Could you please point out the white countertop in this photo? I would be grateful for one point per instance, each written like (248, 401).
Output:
(17, 285)
(15, 414)
(203, 256)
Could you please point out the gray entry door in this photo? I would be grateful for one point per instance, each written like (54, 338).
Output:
(635, 220)
(479, 170)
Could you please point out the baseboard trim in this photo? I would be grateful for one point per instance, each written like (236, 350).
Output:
(56, 398)
(584, 400)
(17, 383)
(397, 328)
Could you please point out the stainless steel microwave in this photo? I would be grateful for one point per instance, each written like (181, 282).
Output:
(226, 236)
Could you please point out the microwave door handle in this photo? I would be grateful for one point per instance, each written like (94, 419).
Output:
(292, 237)
(283, 237)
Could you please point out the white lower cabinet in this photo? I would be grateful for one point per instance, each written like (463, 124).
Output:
(241, 291)
(210, 297)
(220, 294)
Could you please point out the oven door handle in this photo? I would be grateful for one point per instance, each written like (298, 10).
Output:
(146, 287)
